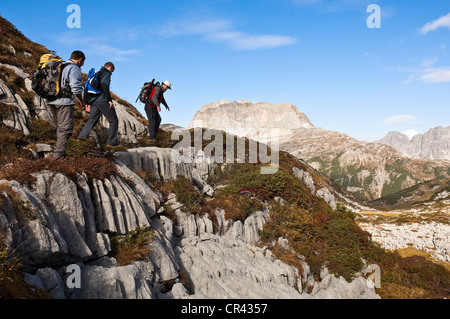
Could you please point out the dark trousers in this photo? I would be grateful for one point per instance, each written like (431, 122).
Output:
(97, 110)
(154, 120)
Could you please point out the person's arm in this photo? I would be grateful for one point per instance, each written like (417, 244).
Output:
(76, 86)
(105, 83)
(163, 101)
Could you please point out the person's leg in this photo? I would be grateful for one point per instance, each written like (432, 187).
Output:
(64, 120)
(94, 116)
(111, 116)
(151, 116)
(158, 122)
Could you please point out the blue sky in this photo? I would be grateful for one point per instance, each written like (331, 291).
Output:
(319, 55)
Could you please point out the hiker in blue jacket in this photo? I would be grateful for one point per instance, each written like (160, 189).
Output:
(103, 105)
(62, 106)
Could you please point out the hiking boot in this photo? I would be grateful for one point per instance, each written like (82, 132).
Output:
(58, 156)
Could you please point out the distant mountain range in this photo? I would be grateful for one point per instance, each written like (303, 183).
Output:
(434, 144)
(368, 170)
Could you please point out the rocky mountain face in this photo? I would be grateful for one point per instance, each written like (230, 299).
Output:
(368, 170)
(70, 222)
(433, 145)
(258, 121)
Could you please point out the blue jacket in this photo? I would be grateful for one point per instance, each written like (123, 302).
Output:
(70, 81)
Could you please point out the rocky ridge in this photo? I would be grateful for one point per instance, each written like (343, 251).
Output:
(369, 170)
(433, 145)
(68, 223)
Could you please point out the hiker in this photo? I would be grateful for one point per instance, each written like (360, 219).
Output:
(153, 107)
(102, 105)
(62, 107)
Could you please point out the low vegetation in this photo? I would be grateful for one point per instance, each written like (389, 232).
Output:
(133, 246)
(12, 280)
(93, 167)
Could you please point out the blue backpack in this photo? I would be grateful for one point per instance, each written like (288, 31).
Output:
(92, 86)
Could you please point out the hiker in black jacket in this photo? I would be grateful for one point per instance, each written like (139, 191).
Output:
(153, 107)
(103, 105)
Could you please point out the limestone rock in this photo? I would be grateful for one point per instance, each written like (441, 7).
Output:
(161, 162)
(214, 266)
(127, 282)
(20, 115)
(431, 237)
(327, 196)
(259, 121)
(37, 236)
(305, 177)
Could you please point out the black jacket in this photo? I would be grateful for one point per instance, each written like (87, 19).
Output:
(105, 76)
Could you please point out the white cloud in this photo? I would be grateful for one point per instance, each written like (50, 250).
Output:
(96, 46)
(436, 75)
(195, 26)
(410, 133)
(242, 41)
(334, 5)
(306, 2)
(400, 119)
(427, 72)
(442, 22)
(221, 30)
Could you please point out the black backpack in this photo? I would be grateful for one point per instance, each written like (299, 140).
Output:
(146, 90)
(47, 78)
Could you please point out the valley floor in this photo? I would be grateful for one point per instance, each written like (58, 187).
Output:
(422, 230)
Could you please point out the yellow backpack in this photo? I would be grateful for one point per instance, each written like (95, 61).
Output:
(47, 78)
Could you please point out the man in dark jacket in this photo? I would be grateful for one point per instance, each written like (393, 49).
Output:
(103, 105)
(153, 107)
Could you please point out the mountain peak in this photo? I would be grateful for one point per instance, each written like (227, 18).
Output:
(249, 119)
(434, 144)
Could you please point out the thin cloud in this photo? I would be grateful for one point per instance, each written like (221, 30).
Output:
(307, 2)
(334, 5)
(427, 72)
(243, 41)
(436, 75)
(442, 22)
(176, 28)
(222, 31)
(401, 119)
(97, 46)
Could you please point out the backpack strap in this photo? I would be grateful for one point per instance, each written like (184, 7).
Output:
(65, 92)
